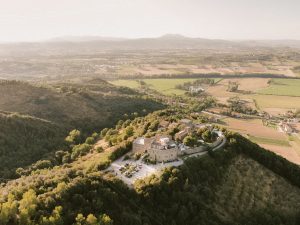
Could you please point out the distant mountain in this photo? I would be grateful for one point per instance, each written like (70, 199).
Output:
(94, 44)
(173, 36)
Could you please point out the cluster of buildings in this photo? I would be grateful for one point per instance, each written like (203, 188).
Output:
(285, 123)
(288, 126)
(162, 148)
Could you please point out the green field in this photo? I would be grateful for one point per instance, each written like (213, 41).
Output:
(269, 141)
(271, 101)
(164, 86)
(287, 87)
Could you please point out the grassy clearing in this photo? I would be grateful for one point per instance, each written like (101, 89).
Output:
(285, 87)
(269, 141)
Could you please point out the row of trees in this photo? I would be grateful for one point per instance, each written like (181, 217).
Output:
(239, 106)
(203, 81)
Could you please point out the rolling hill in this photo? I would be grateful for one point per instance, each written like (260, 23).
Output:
(37, 118)
(84, 44)
(24, 139)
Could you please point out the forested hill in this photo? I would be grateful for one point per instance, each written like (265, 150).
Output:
(24, 139)
(87, 106)
(38, 117)
(243, 184)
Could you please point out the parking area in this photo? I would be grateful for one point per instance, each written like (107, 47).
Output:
(131, 170)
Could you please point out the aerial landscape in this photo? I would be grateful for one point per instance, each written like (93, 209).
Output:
(110, 115)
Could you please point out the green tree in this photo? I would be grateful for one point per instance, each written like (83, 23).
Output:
(105, 220)
(54, 219)
(129, 131)
(8, 210)
(74, 137)
(91, 220)
(90, 140)
(80, 219)
(190, 141)
(27, 207)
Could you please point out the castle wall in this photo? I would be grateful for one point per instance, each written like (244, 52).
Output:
(163, 155)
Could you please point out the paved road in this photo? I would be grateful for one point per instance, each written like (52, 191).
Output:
(221, 145)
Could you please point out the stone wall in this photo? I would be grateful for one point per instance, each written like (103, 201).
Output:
(163, 155)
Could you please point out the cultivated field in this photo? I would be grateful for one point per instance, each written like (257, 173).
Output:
(253, 128)
(248, 89)
(164, 86)
(263, 94)
(276, 103)
(287, 87)
(267, 137)
(190, 65)
(287, 152)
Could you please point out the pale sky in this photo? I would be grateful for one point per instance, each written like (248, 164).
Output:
(31, 20)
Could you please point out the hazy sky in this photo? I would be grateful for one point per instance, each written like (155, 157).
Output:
(29, 20)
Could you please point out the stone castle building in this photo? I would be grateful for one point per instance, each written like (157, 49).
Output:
(160, 148)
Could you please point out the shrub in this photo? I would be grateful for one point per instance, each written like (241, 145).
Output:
(90, 141)
(121, 151)
(80, 150)
(99, 149)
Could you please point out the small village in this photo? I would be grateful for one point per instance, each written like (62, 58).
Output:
(150, 155)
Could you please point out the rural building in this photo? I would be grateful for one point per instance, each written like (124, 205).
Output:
(173, 125)
(186, 122)
(160, 148)
(141, 144)
(196, 89)
(286, 127)
(181, 135)
(200, 126)
(163, 149)
(163, 124)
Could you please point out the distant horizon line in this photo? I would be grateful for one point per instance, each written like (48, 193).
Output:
(64, 38)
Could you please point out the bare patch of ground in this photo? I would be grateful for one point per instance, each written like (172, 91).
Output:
(275, 111)
(287, 152)
(253, 127)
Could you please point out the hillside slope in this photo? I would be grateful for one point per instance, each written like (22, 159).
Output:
(23, 139)
(224, 188)
(249, 188)
(50, 111)
(73, 106)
